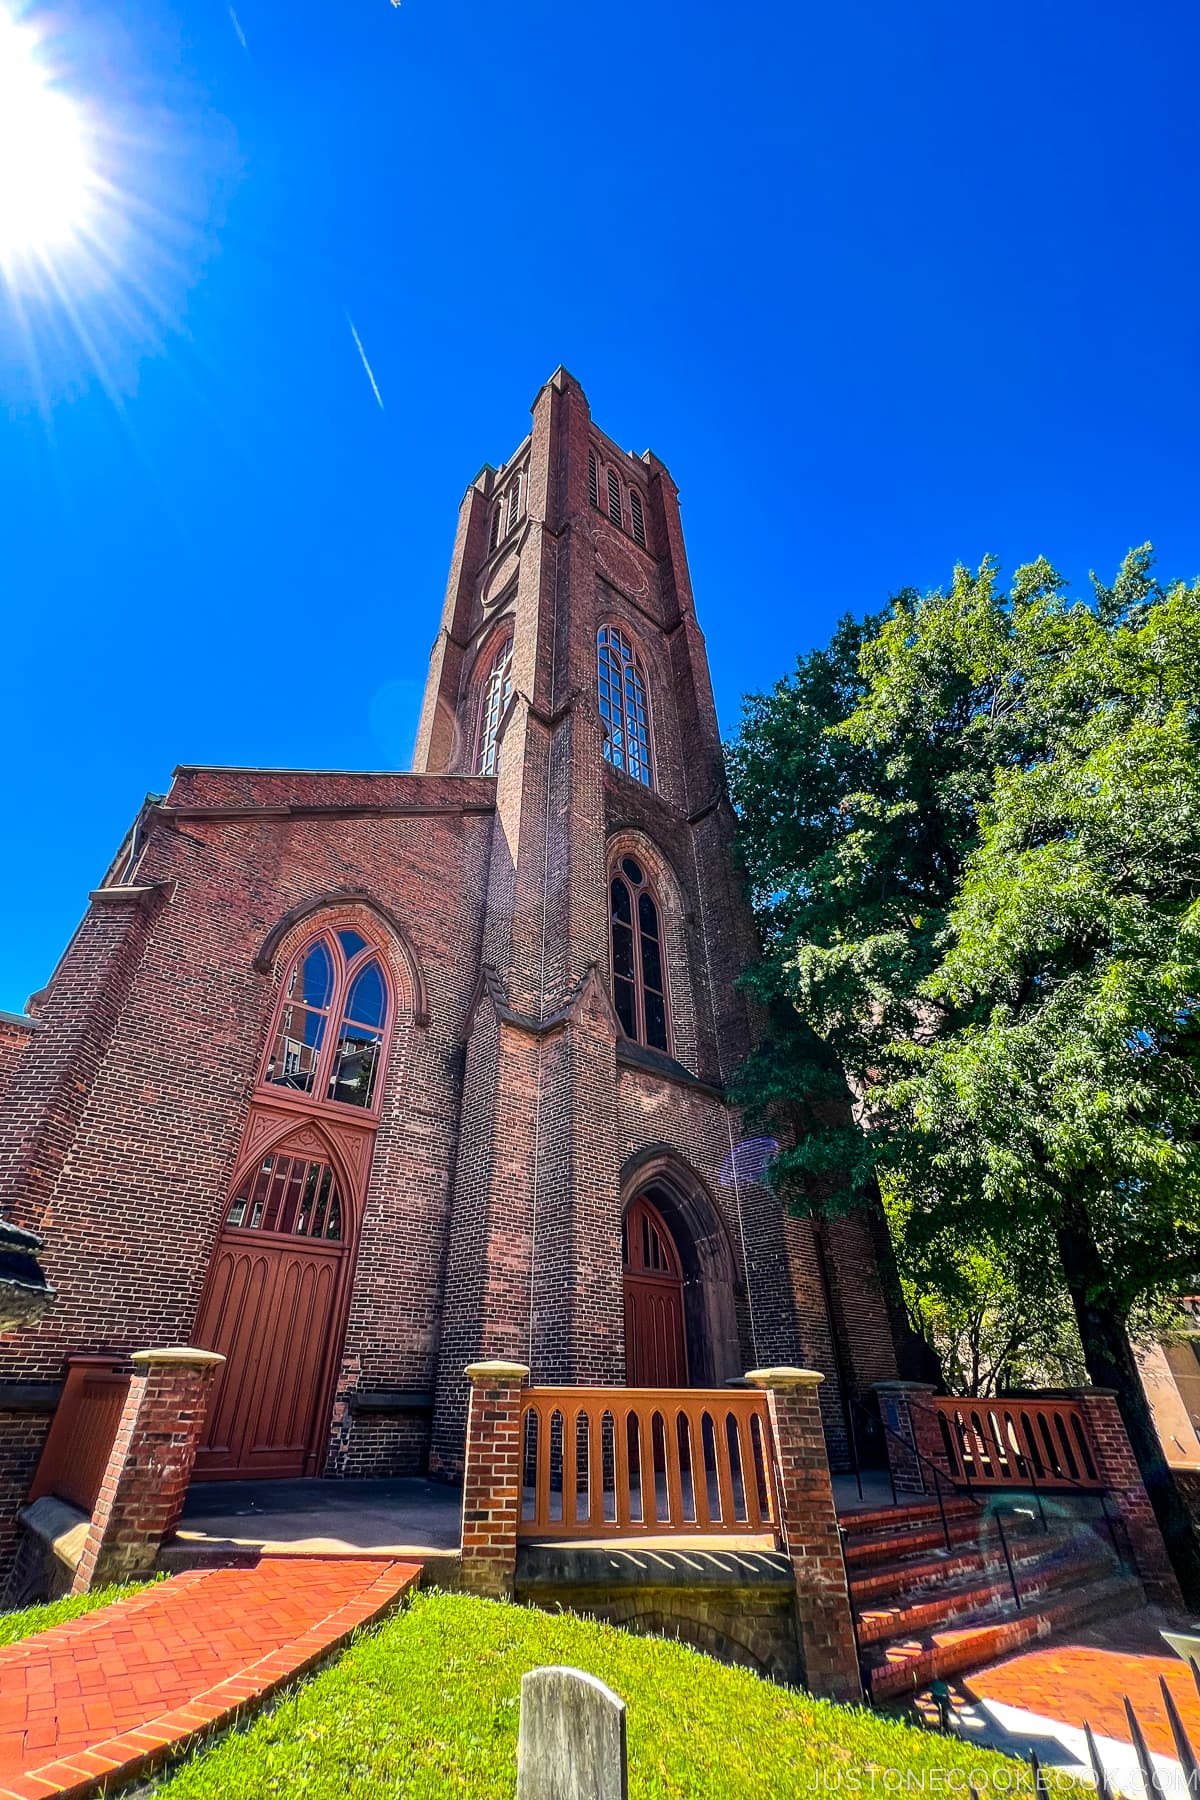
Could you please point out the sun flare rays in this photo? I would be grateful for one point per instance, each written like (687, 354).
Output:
(111, 186)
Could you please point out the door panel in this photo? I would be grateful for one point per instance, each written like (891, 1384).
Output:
(655, 1354)
(655, 1336)
(269, 1310)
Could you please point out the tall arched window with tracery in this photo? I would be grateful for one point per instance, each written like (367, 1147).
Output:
(494, 697)
(638, 965)
(331, 1022)
(624, 708)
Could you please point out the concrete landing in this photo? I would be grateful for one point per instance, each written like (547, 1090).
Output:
(228, 1521)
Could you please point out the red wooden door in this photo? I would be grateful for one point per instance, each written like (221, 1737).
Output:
(655, 1344)
(270, 1308)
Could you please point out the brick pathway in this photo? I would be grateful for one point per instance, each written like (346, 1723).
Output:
(1074, 1683)
(111, 1690)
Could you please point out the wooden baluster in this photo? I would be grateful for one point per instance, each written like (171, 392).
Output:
(670, 1432)
(749, 1461)
(570, 1484)
(704, 1515)
(620, 1418)
(724, 1470)
(541, 1508)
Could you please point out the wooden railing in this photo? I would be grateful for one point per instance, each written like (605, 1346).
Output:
(76, 1451)
(616, 1462)
(1006, 1443)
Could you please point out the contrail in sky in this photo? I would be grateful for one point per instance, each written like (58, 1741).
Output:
(366, 365)
(237, 26)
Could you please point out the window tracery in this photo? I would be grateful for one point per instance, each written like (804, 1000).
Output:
(330, 1022)
(624, 708)
(638, 963)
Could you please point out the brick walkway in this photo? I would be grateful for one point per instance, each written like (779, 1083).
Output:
(111, 1690)
(1074, 1683)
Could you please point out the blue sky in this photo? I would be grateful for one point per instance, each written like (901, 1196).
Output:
(885, 285)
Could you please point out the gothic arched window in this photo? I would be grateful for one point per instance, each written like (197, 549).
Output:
(623, 706)
(330, 1024)
(638, 970)
(494, 697)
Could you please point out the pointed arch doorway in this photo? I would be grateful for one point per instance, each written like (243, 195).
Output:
(655, 1333)
(271, 1306)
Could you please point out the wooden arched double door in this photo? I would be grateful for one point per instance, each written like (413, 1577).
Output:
(655, 1330)
(274, 1306)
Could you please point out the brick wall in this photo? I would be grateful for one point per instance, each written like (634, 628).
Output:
(14, 1036)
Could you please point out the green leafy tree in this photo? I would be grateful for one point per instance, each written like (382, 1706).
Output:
(995, 1325)
(992, 932)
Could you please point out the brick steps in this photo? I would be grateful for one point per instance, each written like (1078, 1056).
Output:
(867, 1523)
(903, 1575)
(924, 1611)
(930, 1569)
(982, 1592)
(908, 1538)
(904, 1666)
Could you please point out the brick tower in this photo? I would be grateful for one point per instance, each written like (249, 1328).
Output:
(569, 593)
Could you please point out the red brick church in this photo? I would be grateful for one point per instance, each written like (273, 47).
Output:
(358, 1078)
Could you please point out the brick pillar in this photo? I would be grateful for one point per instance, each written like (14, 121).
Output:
(492, 1479)
(1118, 1470)
(910, 1432)
(150, 1465)
(810, 1531)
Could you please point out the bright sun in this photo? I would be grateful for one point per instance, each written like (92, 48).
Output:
(45, 176)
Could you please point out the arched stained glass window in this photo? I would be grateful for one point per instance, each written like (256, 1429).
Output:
(624, 709)
(638, 970)
(497, 692)
(336, 981)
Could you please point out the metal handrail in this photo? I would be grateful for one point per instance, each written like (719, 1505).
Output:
(966, 1491)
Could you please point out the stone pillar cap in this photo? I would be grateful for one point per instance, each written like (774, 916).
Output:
(496, 1371)
(177, 1353)
(784, 1378)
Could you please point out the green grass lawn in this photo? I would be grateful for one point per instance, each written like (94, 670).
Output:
(31, 1619)
(427, 1705)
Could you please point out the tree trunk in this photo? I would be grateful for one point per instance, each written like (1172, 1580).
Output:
(1110, 1363)
(916, 1359)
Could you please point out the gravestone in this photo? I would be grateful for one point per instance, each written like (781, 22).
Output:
(572, 1738)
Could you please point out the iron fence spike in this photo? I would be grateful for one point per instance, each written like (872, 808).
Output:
(1102, 1784)
(1145, 1761)
(1183, 1743)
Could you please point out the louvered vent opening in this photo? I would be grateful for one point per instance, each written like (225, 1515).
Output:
(593, 479)
(635, 513)
(497, 515)
(614, 498)
(514, 503)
